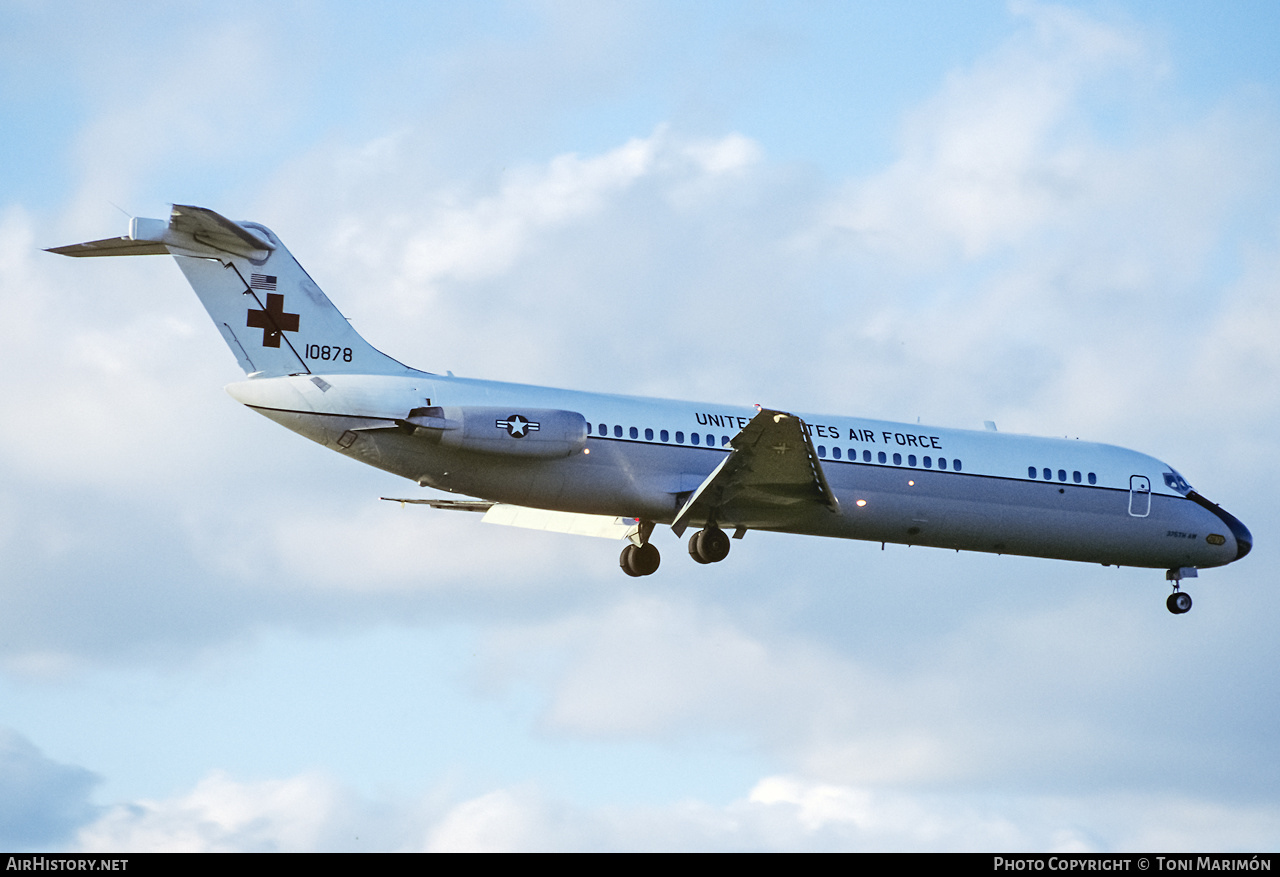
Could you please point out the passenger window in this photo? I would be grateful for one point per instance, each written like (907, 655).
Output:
(1093, 479)
(635, 433)
(897, 459)
(911, 459)
(648, 434)
(604, 430)
(928, 462)
(1031, 471)
(1075, 476)
(882, 457)
(711, 440)
(955, 464)
(942, 462)
(617, 431)
(1062, 474)
(822, 450)
(694, 438)
(835, 452)
(866, 456)
(724, 440)
(665, 436)
(679, 437)
(1048, 474)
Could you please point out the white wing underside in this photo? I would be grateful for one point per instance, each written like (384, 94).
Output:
(602, 526)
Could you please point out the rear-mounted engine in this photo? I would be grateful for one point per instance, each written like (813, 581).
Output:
(512, 432)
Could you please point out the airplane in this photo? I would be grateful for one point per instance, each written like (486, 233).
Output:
(618, 466)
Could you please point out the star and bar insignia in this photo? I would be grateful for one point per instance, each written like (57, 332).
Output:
(517, 426)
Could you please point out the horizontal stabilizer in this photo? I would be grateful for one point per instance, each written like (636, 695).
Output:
(190, 231)
(122, 246)
(453, 505)
(215, 231)
(270, 313)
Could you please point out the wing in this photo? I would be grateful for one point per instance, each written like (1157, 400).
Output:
(770, 476)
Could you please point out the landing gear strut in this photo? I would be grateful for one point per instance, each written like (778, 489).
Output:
(1179, 601)
(709, 545)
(640, 557)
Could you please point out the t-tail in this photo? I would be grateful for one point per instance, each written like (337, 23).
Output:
(270, 312)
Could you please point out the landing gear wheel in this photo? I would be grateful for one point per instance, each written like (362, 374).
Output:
(709, 546)
(1178, 602)
(640, 560)
(694, 551)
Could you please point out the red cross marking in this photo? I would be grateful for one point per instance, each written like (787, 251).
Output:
(273, 320)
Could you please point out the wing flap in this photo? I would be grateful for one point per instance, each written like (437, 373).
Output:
(601, 526)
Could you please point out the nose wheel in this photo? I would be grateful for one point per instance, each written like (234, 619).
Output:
(1179, 603)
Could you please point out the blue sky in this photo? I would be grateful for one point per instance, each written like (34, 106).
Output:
(1058, 217)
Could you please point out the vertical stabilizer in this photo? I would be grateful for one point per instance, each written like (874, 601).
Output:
(270, 312)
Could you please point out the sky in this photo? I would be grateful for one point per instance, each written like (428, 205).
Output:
(1060, 217)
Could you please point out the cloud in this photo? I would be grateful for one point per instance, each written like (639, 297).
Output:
(1008, 697)
(1060, 244)
(486, 237)
(505, 820)
(310, 813)
(42, 802)
(646, 666)
(1056, 217)
(1004, 148)
(303, 813)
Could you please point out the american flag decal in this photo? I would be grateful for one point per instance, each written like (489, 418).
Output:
(263, 281)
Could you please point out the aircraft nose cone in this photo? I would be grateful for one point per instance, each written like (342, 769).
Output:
(1244, 539)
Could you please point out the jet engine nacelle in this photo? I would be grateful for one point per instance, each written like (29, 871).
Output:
(512, 432)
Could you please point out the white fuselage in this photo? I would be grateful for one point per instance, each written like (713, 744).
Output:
(911, 484)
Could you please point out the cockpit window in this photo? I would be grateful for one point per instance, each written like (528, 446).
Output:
(1177, 482)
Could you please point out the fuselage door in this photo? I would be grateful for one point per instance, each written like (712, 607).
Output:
(1139, 496)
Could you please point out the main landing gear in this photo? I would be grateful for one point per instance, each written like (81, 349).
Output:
(640, 557)
(1179, 601)
(640, 560)
(709, 545)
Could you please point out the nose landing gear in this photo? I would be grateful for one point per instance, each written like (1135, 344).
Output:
(1179, 602)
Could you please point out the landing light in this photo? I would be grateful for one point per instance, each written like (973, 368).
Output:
(860, 503)
(911, 484)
